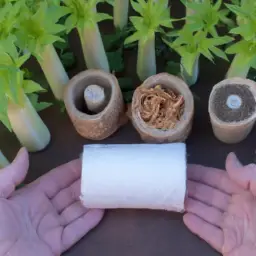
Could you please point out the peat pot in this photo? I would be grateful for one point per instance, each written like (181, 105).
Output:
(151, 110)
(94, 103)
(232, 109)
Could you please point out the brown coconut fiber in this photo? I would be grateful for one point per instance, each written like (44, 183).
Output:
(233, 125)
(95, 126)
(162, 109)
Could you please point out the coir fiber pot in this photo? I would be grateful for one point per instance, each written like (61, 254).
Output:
(232, 109)
(182, 128)
(100, 125)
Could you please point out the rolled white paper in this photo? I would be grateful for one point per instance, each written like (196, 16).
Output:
(138, 176)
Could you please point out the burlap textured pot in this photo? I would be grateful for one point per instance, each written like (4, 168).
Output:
(94, 126)
(181, 130)
(232, 109)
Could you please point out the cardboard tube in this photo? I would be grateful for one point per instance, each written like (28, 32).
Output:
(141, 176)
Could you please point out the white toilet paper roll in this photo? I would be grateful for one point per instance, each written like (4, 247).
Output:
(142, 176)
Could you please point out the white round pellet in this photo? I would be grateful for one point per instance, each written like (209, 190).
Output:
(234, 101)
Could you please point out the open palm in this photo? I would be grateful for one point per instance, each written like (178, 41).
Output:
(46, 217)
(221, 208)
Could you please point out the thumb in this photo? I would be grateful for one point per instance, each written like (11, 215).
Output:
(14, 174)
(245, 176)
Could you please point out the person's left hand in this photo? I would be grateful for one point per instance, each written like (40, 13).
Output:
(221, 208)
(44, 218)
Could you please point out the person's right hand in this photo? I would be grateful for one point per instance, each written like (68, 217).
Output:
(221, 208)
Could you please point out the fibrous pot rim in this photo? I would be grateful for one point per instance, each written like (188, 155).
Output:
(232, 81)
(172, 82)
(76, 81)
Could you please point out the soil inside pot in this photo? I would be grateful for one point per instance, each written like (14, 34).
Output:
(159, 107)
(243, 108)
(79, 94)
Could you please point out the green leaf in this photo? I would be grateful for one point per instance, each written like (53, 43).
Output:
(71, 22)
(126, 84)
(153, 16)
(21, 60)
(112, 40)
(30, 86)
(219, 53)
(116, 60)
(133, 38)
(239, 47)
(83, 13)
(206, 16)
(27, 74)
(38, 25)
(43, 105)
(102, 16)
(39, 106)
(172, 68)
(128, 96)
(68, 59)
(137, 7)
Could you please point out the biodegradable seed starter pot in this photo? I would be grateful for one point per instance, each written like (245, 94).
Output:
(94, 103)
(162, 109)
(232, 109)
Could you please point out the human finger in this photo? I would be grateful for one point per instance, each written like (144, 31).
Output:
(80, 227)
(208, 195)
(60, 178)
(72, 213)
(67, 196)
(13, 175)
(244, 176)
(207, 232)
(208, 213)
(213, 177)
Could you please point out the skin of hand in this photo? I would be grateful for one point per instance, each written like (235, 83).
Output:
(221, 206)
(44, 218)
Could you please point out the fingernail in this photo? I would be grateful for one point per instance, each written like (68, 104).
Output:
(235, 159)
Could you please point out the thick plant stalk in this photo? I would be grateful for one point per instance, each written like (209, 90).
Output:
(121, 9)
(146, 62)
(238, 69)
(28, 126)
(190, 79)
(93, 48)
(3, 160)
(54, 71)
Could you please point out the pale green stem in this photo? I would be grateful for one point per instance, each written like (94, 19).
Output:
(54, 71)
(238, 69)
(93, 48)
(190, 79)
(146, 62)
(28, 126)
(3, 160)
(121, 9)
